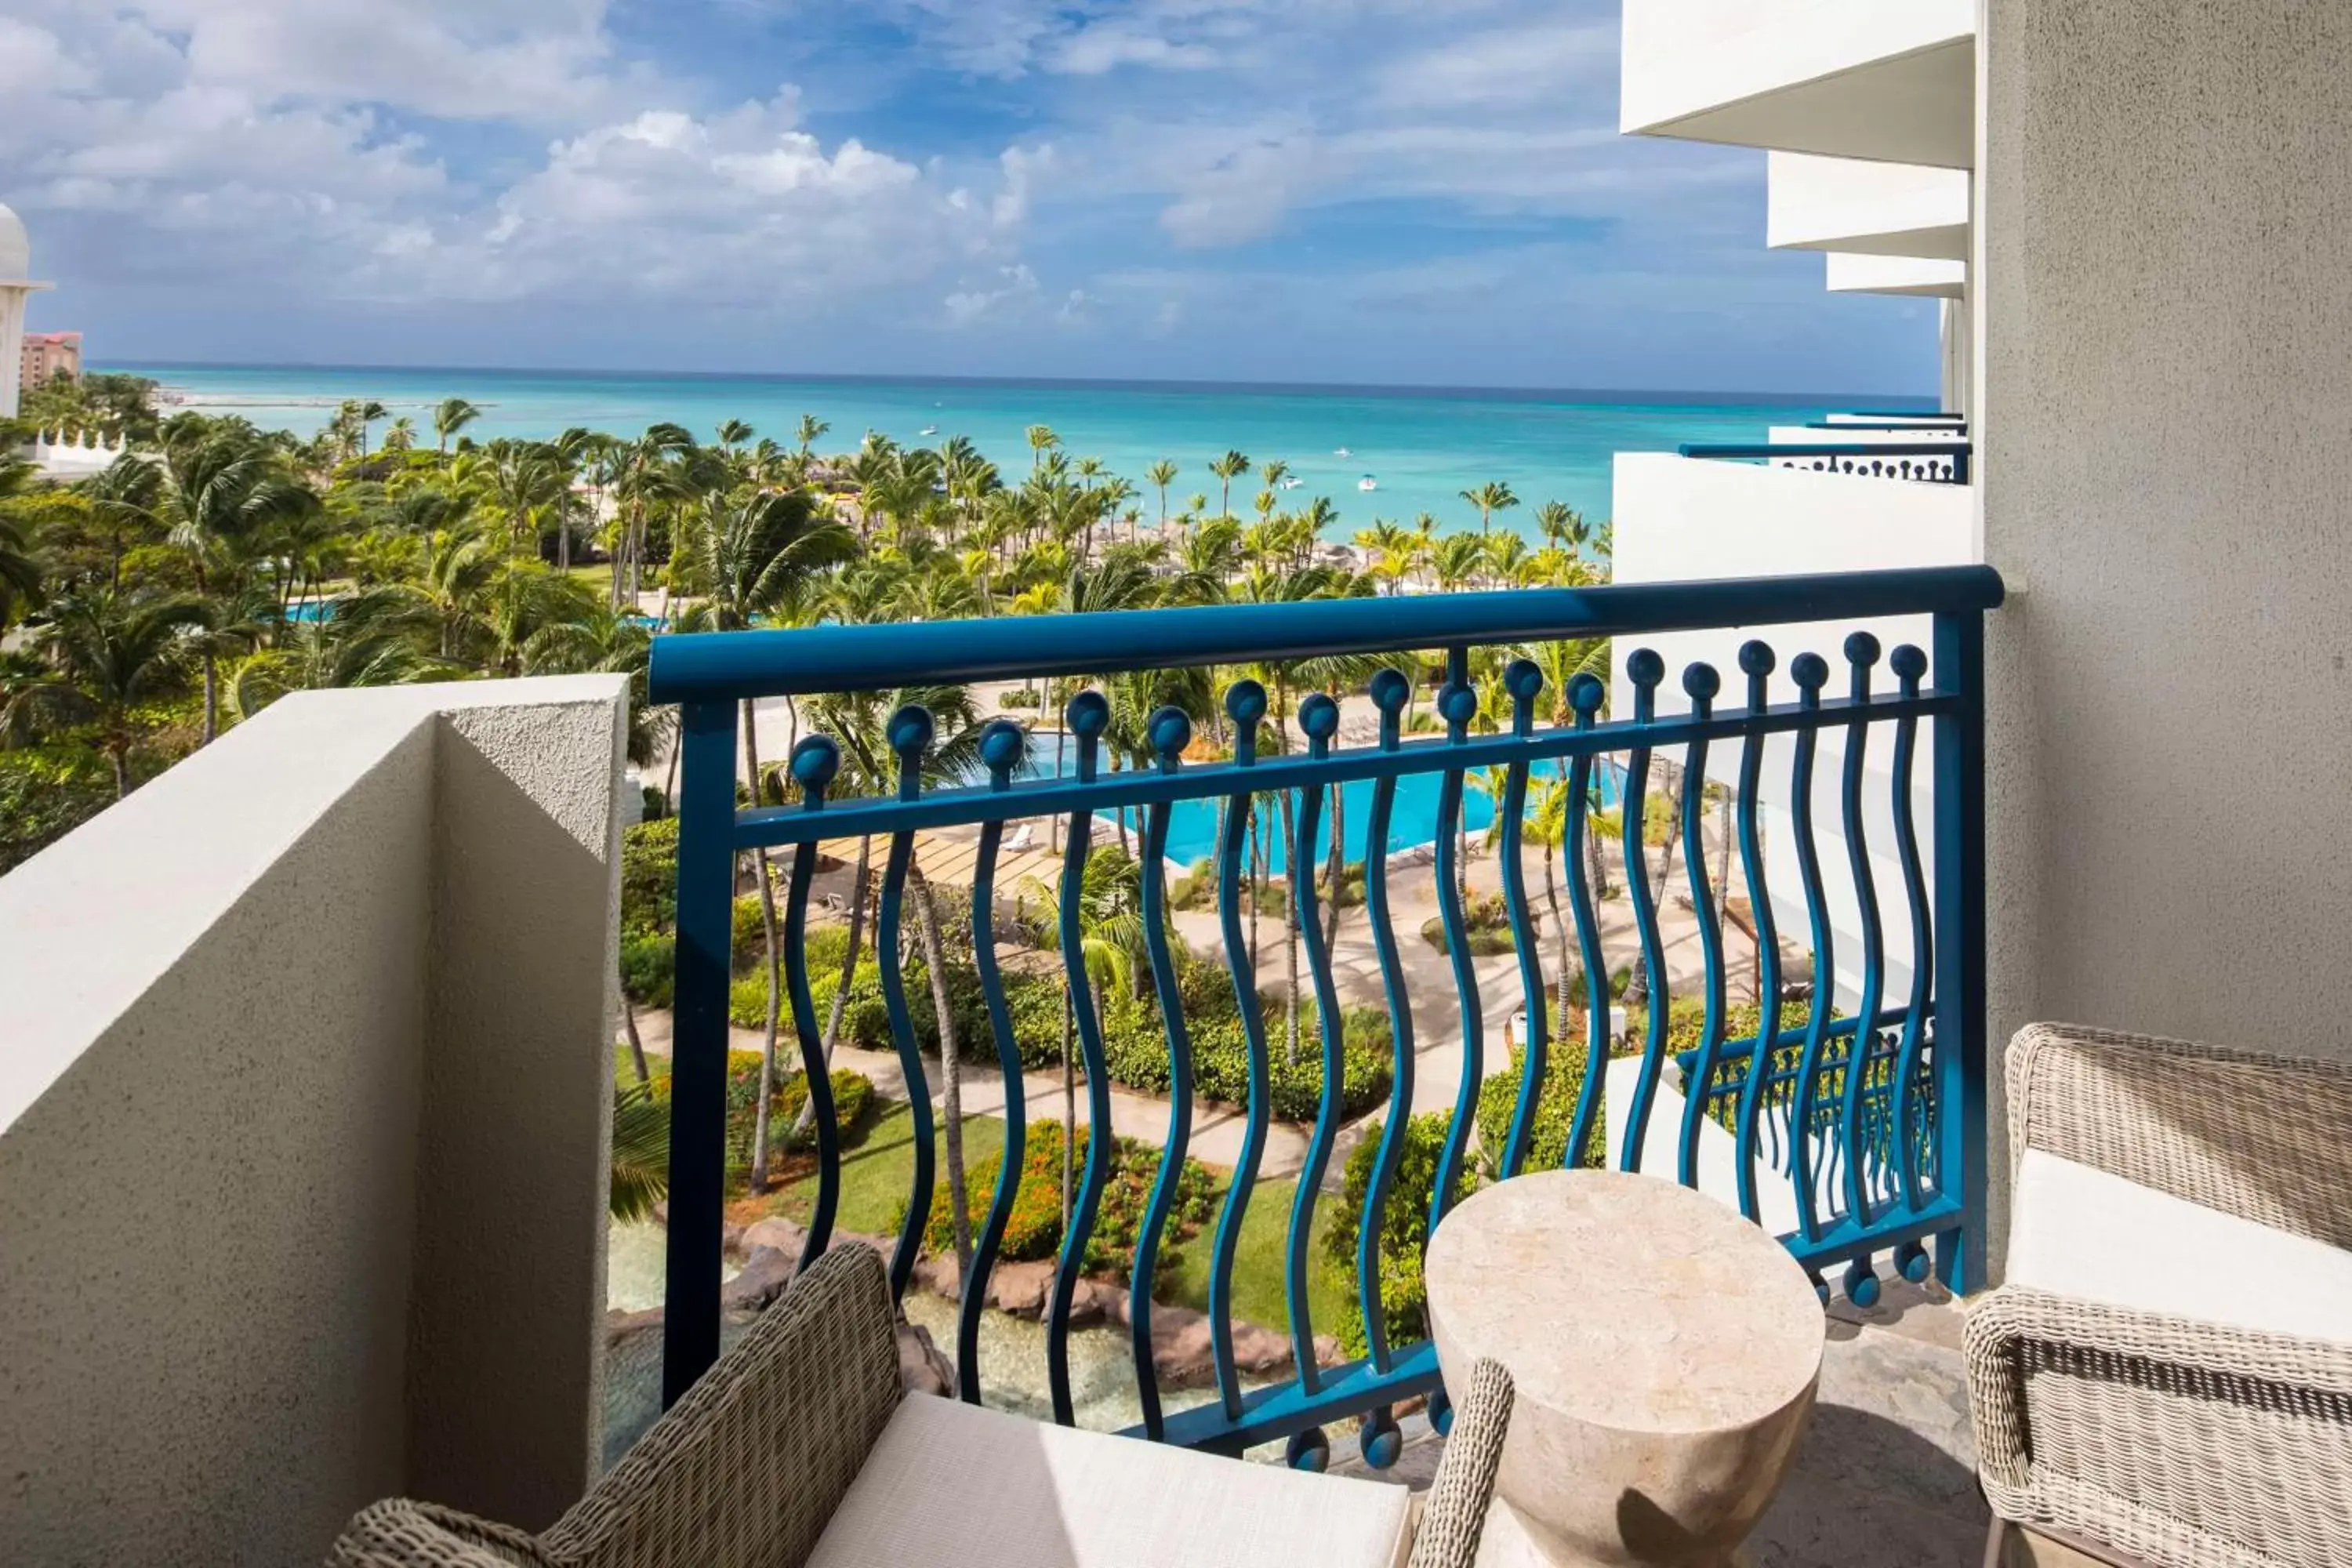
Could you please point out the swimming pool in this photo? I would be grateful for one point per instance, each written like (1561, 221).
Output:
(1193, 825)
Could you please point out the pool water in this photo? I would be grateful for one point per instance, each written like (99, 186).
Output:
(1194, 826)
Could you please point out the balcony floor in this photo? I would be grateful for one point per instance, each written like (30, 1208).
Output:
(1887, 1473)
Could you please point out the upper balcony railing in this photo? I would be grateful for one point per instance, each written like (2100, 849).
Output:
(1860, 1121)
(1931, 462)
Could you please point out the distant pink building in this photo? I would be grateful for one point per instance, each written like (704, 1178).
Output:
(47, 353)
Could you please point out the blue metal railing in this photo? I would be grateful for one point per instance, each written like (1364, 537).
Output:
(1885, 1160)
(1932, 462)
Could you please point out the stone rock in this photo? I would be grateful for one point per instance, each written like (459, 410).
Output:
(923, 1367)
(763, 1279)
(1022, 1289)
(622, 1326)
(941, 1276)
(781, 1234)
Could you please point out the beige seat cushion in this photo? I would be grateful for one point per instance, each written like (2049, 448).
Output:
(2082, 1232)
(962, 1486)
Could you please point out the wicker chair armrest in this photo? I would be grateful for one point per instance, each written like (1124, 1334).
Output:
(746, 1469)
(2165, 1432)
(401, 1533)
(2266, 1138)
(1456, 1514)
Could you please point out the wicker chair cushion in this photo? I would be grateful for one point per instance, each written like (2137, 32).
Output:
(2081, 1232)
(951, 1482)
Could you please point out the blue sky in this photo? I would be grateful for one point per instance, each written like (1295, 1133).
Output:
(1424, 192)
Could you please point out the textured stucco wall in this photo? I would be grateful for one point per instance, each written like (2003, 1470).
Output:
(261, 1021)
(2168, 397)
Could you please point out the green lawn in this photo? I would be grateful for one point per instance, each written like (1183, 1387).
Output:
(597, 574)
(876, 1175)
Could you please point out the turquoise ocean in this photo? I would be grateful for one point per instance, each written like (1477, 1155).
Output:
(1421, 446)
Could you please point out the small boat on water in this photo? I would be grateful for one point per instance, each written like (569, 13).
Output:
(1341, 452)
(931, 431)
(1368, 483)
(1292, 483)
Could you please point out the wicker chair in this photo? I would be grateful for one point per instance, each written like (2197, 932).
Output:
(798, 1451)
(2167, 1374)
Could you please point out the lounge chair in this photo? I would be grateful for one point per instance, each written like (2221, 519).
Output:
(798, 1450)
(2166, 1375)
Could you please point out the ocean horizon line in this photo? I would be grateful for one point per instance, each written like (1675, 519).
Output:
(1632, 396)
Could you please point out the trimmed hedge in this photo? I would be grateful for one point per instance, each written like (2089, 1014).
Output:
(649, 877)
(649, 966)
(853, 1104)
(1489, 919)
(1033, 1228)
(1404, 1300)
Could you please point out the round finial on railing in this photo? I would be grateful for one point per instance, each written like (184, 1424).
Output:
(1811, 671)
(1756, 657)
(1586, 693)
(1441, 1412)
(1909, 663)
(1245, 702)
(1523, 679)
(1004, 746)
(1391, 690)
(1308, 1450)
(1171, 732)
(910, 731)
(1701, 683)
(1645, 667)
(1861, 649)
(816, 763)
(1862, 1283)
(1911, 1262)
(1379, 1439)
(1457, 704)
(1088, 715)
(1319, 716)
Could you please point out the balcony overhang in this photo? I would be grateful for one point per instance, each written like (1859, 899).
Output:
(1846, 78)
(1910, 276)
(1866, 208)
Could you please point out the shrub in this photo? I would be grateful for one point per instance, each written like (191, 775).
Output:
(649, 877)
(1021, 697)
(853, 1101)
(656, 804)
(1405, 1220)
(749, 935)
(1489, 919)
(648, 963)
(1136, 1049)
(1034, 1227)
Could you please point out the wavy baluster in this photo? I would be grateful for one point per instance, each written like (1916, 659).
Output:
(1585, 695)
(1088, 715)
(1245, 704)
(1457, 704)
(1757, 662)
(1701, 683)
(815, 763)
(1862, 655)
(1646, 670)
(1524, 681)
(909, 733)
(1319, 716)
(1170, 732)
(1910, 667)
(1389, 690)
(1811, 671)
(1002, 748)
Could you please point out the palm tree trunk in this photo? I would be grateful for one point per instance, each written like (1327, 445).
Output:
(927, 925)
(849, 957)
(1336, 868)
(1290, 936)
(759, 1116)
(1551, 897)
(120, 762)
(636, 1042)
(212, 698)
(1069, 1104)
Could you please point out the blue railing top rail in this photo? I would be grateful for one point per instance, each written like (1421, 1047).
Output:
(1922, 426)
(1827, 449)
(727, 666)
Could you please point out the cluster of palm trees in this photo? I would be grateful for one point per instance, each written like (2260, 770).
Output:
(217, 567)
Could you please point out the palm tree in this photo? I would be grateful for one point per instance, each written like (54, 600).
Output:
(111, 653)
(1042, 440)
(752, 556)
(368, 412)
(733, 433)
(1489, 499)
(812, 430)
(453, 416)
(20, 572)
(1228, 469)
(1160, 476)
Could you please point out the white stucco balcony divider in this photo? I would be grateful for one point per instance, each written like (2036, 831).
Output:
(1888, 79)
(304, 1107)
(1864, 208)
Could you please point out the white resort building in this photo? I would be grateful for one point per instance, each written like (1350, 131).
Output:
(307, 1070)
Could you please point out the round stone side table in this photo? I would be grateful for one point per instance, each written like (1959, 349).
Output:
(1665, 1352)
